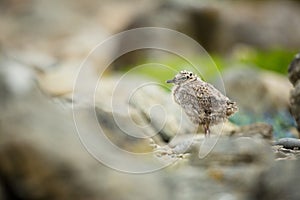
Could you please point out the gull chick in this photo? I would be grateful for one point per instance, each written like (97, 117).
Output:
(202, 102)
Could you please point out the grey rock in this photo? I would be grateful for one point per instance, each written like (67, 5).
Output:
(124, 133)
(257, 91)
(294, 71)
(148, 108)
(287, 149)
(35, 162)
(218, 27)
(258, 27)
(282, 153)
(295, 102)
(232, 151)
(41, 156)
(279, 182)
(288, 143)
(257, 130)
(193, 181)
(230, 169)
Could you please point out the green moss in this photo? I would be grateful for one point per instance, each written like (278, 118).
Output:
(275, 60)
(163, 70)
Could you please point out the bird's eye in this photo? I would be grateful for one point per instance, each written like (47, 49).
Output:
(191, 74)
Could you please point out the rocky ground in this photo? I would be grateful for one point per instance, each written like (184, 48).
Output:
(122, 136)
(43, 157)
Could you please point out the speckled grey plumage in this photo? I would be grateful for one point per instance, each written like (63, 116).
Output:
(201, 101)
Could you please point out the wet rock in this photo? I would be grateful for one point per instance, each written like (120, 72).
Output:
(288, 143)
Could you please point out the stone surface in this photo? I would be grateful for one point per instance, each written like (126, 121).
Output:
(145, 104)
(280, 182)
(44, 153)
(257, 130)
(288, 143)
(43, 157)
(232, 152)
(246, 85)
(294, 71)
(287, 149)
(229, 170)
(218, 27)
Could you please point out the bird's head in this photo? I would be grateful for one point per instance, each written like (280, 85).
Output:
(183, 77)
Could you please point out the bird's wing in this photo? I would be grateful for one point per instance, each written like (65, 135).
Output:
(211, 99)
(189, 100)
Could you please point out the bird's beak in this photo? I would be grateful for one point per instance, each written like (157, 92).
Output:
(170, 81)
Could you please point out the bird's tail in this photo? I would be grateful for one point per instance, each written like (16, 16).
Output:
(231, 108)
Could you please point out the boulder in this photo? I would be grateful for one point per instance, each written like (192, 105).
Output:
(216, 27)
(257, 91)
(279, 182)
(294, 75)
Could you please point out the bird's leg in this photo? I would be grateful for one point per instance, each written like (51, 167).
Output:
(206, 130)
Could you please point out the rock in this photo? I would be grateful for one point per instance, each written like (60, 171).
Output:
(148, 109)
(282, 153)
(217, 27)
(59, 81)
(40, 158)
(41, 155)
(258, 27)
(17, 79)
(31, 175)
(236, 163)
(287, 149)
(279, 182)
(294, 71)
(195, 20)
(257, 130)
(123, 134)
(34, 145)
(187, 184)
(295, 102)
(257, 91)
(288, 143)
(228, 152)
